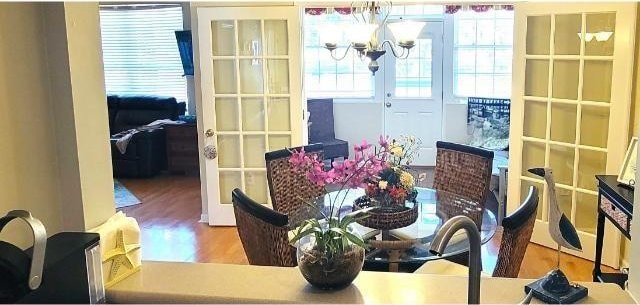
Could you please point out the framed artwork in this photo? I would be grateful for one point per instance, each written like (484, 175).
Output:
(628, 171)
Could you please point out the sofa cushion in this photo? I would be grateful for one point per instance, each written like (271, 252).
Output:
(135, 111)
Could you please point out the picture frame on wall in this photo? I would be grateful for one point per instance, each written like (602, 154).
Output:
(627, 173)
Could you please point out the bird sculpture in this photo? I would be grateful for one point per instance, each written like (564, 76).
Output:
(560, 228)
(555, 287)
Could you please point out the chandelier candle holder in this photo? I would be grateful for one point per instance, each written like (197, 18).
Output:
(372, 16)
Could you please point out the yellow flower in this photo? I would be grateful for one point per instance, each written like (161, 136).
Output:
(396, 151)
(382, 184)
(407, 180)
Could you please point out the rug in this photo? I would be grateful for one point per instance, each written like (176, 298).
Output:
(123, 196)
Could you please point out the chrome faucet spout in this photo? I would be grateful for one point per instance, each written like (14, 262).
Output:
(441, 240)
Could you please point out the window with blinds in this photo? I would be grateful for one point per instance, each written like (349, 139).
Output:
(140, 53)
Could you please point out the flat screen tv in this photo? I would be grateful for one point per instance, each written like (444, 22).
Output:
(186, 51)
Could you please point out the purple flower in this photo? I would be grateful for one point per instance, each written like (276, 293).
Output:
(362, 147)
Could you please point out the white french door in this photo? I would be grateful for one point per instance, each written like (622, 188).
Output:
(570, 109)
(413, 93)
(251, 98)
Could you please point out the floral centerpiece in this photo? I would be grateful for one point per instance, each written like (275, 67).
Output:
(330, 252)
(388, 192)
(395, 184)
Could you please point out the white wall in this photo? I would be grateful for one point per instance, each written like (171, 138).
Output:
(355, 121)
(54, 153)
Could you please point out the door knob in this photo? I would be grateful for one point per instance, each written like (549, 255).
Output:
(388, 104)
(209, 133)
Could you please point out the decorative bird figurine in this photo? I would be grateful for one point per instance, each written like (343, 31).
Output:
(560, 228)
(555, 287)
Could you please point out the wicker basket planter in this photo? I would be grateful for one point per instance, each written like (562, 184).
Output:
(386, 217)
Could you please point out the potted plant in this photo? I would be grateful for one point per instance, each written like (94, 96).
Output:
(330, 252)
(388, 192)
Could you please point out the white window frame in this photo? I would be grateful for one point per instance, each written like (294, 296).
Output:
(449, 96)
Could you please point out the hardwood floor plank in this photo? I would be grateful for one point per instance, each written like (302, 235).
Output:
(169, 220)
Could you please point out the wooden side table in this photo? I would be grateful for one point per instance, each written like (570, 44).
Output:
(182, 149)
(615, 202)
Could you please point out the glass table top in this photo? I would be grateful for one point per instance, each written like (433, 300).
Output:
(434, 209)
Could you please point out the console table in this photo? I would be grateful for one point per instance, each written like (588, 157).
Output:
(615, 202)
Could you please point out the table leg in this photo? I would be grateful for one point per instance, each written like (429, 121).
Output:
(394, 256)
(599, 241)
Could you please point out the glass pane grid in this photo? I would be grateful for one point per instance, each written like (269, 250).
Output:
(577, 101)
(482, 54)
(413, 75)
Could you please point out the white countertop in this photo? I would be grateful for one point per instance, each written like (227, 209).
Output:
(170, 282)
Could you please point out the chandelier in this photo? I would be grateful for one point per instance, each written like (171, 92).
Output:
(371, 16)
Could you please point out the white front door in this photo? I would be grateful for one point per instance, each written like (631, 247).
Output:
(570, 109)
(413, 93)
(250, 78)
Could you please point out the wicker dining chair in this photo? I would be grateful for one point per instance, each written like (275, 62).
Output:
(463, 170)
(263, 232)
(288, 189)
(516, 233)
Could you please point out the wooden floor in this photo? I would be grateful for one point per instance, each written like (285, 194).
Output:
(169, 219)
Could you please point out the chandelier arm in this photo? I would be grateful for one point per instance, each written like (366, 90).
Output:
(333, 54)
(393, 49)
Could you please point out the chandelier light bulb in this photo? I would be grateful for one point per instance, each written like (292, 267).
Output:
(406, 32)
(360, 34)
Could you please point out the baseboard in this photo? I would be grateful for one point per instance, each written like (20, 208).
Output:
(204, 218)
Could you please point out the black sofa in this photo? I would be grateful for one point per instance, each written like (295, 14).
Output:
(321, 129)
(146, 153)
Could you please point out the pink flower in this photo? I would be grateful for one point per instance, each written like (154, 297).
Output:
(383, 142)
(362, 147)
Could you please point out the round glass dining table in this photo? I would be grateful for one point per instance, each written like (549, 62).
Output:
(411, 244)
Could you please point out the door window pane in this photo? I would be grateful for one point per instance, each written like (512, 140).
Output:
(413, 75)
(561, 160)
(563, 122)
(224, 76)
(538, 34)
(597, 80)
(536, 81)
(252, 114)
(594, 128)
(227, 114)
(276, 37)
(535, 119)
(566, 39)
(250, 37)
(222, 37)
(565, 79)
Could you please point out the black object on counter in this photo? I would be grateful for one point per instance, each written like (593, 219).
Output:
(555, 288)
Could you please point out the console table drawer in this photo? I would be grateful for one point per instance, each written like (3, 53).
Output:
(615, 214)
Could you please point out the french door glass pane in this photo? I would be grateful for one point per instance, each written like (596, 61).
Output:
(227, 114)
(538, 34)
(251, 76)
(565, 79)
(591, 163)
(249, 37)
(567, 39)
(602, 25)
(564, 200)
(278, 75)
(561, 160)
(594, 129)
(224, 77)
(256, 185)
(535, 119)
(279, 142)
(228, 148)
(586, 211)
(276, 37)
(254, 148)
(252, 114)
(563, 122)
(279, 114)
(223, 36)
(228, 180)
(597, 80)
(532, 156)
(536, 77)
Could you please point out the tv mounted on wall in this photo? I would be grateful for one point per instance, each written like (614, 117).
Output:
(186, 51)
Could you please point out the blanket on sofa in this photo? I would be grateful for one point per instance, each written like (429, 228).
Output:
(123, 137)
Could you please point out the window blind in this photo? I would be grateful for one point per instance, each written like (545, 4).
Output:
(140, 53)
